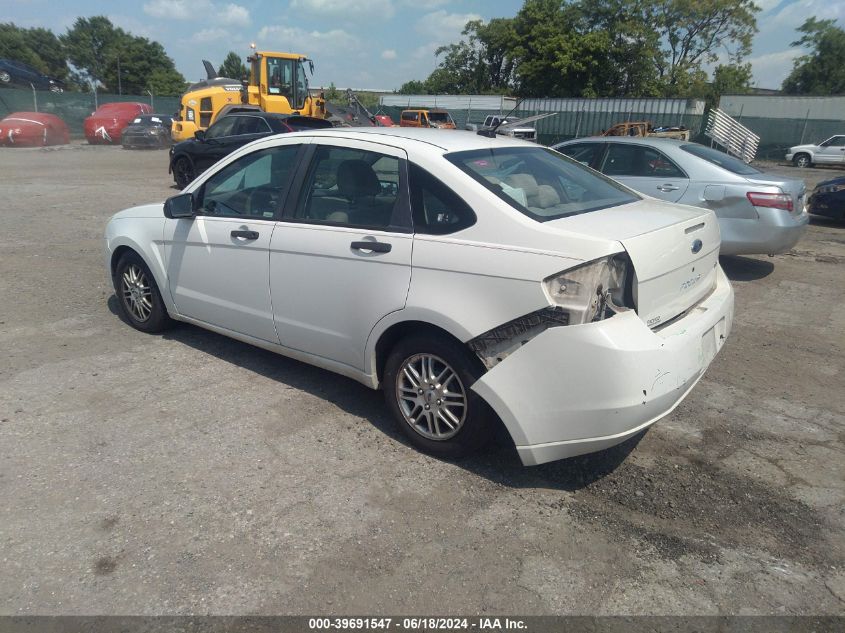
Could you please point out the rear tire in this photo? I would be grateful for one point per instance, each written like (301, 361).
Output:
(426, 384)
(5, 77)
(802, 160)
(138, 297)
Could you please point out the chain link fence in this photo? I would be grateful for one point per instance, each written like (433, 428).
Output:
(74, 107)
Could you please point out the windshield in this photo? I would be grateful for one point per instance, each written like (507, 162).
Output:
(721, 159)
(541, 183)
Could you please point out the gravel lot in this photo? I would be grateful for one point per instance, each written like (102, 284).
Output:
(189, 473)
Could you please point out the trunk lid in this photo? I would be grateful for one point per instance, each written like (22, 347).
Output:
(795, 189)
(674, 250)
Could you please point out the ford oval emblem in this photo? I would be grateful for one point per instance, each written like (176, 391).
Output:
(696, 246)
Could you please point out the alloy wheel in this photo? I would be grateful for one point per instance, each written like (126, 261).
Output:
(137, 292)
(5, 77)
(431, 397)
(802, 161)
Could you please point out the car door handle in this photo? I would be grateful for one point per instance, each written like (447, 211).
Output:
(376, 247)
(247, 235)
(667, 188)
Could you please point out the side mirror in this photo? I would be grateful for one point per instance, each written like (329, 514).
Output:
(181, 206)
(199, 135)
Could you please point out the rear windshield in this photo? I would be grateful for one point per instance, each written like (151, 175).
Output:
(721, 159)
(541, 183)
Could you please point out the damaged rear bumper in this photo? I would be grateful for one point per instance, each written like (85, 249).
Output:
(577, 389)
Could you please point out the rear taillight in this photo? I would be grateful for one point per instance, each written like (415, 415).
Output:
(770, 200)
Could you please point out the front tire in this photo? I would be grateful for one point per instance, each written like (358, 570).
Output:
(426, 384)
(183, 172)
(138, 297)
(802, 160)
(5, 77)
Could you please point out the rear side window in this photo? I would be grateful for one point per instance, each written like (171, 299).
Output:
(350, 187)
(436, 209)
(409, 116)
(720, 159)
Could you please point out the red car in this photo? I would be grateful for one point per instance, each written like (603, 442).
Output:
(33, 129)
(105, 126)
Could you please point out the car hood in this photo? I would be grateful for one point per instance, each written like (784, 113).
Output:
(152, 210)
(833, 181)
(808, 147)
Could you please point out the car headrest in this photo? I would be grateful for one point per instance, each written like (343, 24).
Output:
(355, 178)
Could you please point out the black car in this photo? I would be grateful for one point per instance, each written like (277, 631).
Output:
(190, 158)
(828, 199)
(13, 73)
(147, 130)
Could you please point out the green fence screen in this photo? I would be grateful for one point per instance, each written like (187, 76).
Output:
(74, 107)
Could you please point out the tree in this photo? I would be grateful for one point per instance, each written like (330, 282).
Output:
(822, 71)
(100, 51)
(695, 31)
(40, 48)
(598, 48)
(233, 68)
(50, 50)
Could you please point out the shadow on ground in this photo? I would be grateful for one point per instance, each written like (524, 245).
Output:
(739, 268)
(499, 463)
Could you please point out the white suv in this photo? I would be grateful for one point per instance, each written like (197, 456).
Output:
(831, 151)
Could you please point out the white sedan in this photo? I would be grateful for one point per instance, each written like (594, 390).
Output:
(473, 279)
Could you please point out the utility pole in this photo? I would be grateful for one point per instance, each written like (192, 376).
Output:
(119, 85)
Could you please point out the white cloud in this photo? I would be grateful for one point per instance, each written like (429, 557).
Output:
(767, 5)
(794, 14)
(771, 69)
(297, 40)
(345, 8)
(233, 14)
(230, 14)
(210, 35)
(171, 9)
(425, 4)
(442, 26)
(388, 54)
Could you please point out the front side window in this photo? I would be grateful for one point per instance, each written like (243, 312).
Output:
(836, 141)
(584, 153)
(253, 186)
(638, 160)
(251, 125)
(436, 209)
(409, 116)
(541, 183)
(350, 187)
(720, 159)
(223, 127)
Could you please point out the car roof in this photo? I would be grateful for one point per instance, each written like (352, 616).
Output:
(406, 137)
(640, 140)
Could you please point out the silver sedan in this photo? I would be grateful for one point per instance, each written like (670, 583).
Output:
(758, 213)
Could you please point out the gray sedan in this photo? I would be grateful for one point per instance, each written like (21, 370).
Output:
(758, 212)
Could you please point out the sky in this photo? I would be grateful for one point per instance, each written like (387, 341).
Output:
(361, 44)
